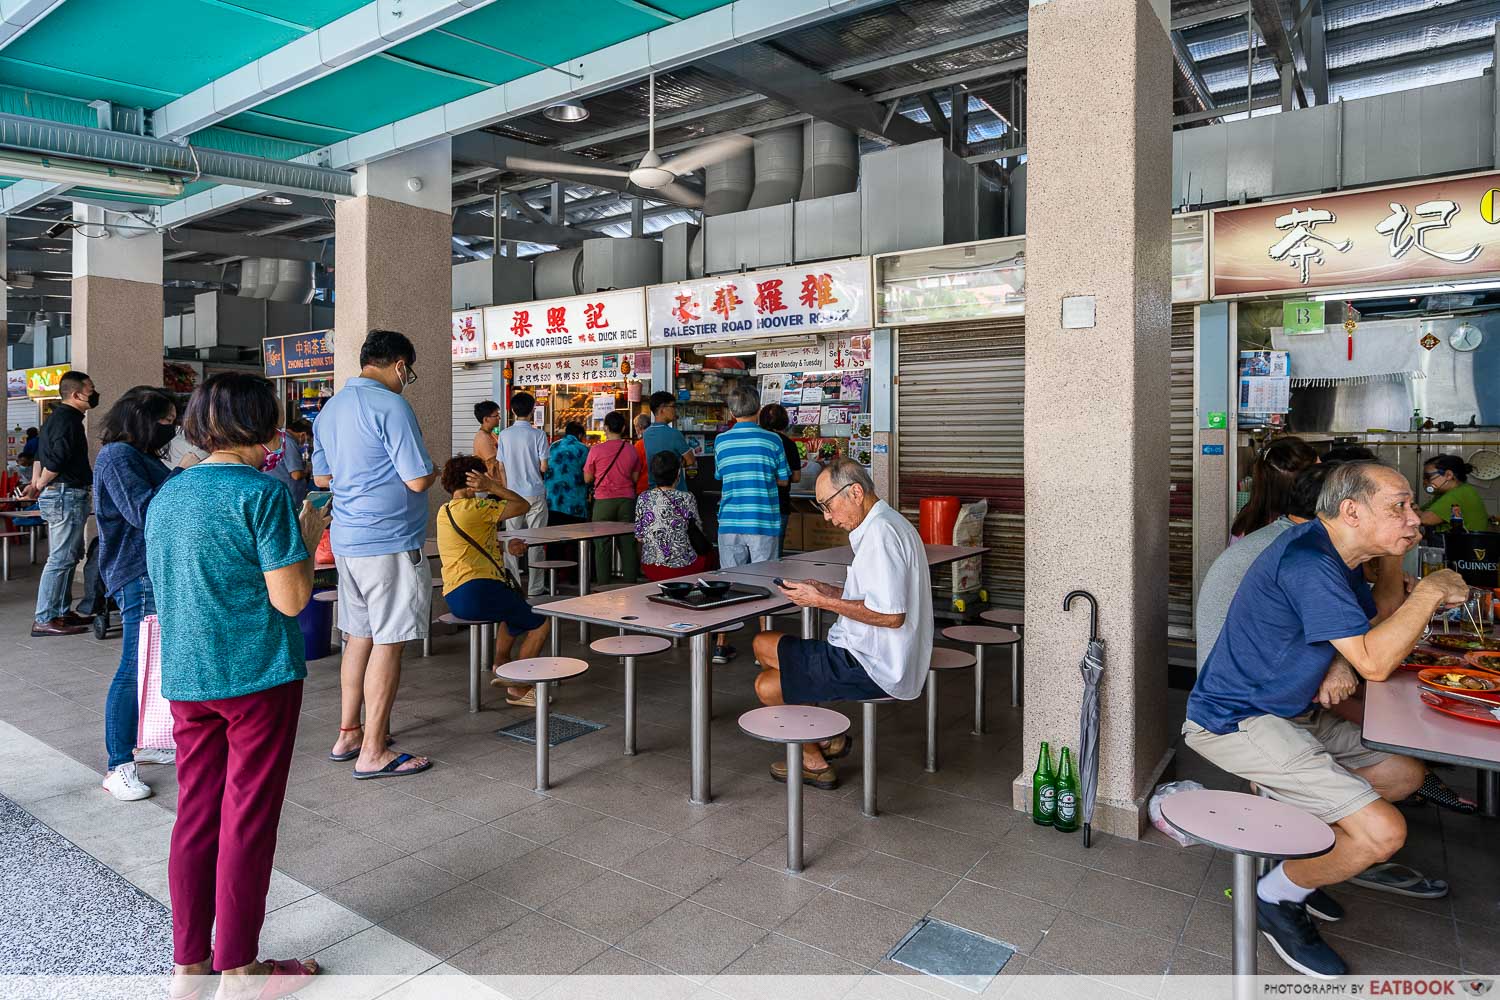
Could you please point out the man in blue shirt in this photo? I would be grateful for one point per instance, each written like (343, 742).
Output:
(662, 436)
(751, 463)
(521, 450)
(1258, 709)
(368, 449)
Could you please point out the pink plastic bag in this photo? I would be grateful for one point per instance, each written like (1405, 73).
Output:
(154, 720)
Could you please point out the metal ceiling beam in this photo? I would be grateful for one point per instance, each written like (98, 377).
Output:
(226, 244)
(1189, 69)
(957, 43)
(175, 271)
(935, 117)
(501, 151)
(527, 209)
(517, 231)
(1312, 32)
(34, 260)
(1234, 8)
(27, 194)
(21, 17)
(953, 79)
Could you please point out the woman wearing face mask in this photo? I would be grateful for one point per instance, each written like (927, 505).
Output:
(283, 462)
(1445, 478)
(127, 475)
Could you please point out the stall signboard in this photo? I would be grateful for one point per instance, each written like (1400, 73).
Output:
(1302, 317)
(610, 321)
(41, 383)
(468, 336)
(1415, 233)
(298, 355)
(790, 302)
(15, 384)
(574, 369)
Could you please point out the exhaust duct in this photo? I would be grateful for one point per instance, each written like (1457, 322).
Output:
(559, 273)
(830, 160)
(294, 281)
(778, 167)
(250, 278)
(727, 184)
(268, 277)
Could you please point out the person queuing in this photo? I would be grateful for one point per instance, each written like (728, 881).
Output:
(476, 584)
(567, 493)
(882, 642)
(774, 418)
(751, 464)
(127, 475)
(229, 558)
(611, 471)
(638, 428)
(1271, 479)
(369, 450)
(1446, 479)
(61, 484)
(663, 515)
(662, 436)
(182, 453)
(284, 463)
(27, 455)
(522, 451)
(485, 448)
(1259, 707)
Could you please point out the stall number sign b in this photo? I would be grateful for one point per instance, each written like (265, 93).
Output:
(1302, 317)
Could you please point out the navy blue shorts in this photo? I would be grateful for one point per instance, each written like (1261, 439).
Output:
(813, 670)
(492, 601)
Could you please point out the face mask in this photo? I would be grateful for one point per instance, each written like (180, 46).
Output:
(272, 459)
(408, 380)
(162, 436)
(1429, 488)
(93, 399)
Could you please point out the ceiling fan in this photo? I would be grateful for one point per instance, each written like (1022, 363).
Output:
(652, 173)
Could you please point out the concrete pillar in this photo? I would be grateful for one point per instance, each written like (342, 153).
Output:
(117, 304)
(393, 267)
(1214, 359)
(1098, 354)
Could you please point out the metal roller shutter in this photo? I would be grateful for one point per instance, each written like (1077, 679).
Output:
(470, 385)
(1180, 523)
(959, 398)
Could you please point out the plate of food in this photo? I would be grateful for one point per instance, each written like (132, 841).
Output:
(1421, 659)
(1462, 680)
(1460, 642)
(1486, 660)
(1461, 709)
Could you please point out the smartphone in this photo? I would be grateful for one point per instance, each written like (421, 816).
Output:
(779, 582)
(320, 498)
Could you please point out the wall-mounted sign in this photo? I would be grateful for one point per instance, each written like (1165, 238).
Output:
(571, 370)
(15, 384)
(1302, 317)
(791, 302)
(602, 321)
(830, 354)
(1213, 449)
(41, 383)
(1432, 231)
(298, 355)
(468, 336)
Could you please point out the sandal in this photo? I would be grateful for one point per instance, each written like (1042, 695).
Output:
(287, 976)
(393, 769)
(838, 747)
(826, 779)
(1437, 791)
(1403, 880)
(348, 755)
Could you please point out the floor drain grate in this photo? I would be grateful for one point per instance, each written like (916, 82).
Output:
(952, 953)
(560, 729)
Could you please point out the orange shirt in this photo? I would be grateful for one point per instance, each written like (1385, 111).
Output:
(641, 481)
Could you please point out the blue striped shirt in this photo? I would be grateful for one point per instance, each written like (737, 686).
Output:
(749, 461)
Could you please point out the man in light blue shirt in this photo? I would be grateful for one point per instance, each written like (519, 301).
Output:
(521, 450)
(368, 449)
(662, 436)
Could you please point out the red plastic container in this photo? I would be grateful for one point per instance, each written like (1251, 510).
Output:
(936, 518)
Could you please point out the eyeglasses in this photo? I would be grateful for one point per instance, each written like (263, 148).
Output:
(1434, 474)
(824, 505)
(411, 375)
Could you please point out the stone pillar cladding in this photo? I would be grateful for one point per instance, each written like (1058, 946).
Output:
(393, 271)
(1096, 414)
(117, 306)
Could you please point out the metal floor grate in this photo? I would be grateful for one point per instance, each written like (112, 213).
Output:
(953, 954)
(560, 729)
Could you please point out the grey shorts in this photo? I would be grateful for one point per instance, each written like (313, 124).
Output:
(386, 598)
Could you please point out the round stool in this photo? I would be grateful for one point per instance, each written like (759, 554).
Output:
(332, 597)
(541, 671)
(1011, 617)
(867, 734)
(793, 725)
(943, 658)
(981, 636)
(481, 646)
(1249, 828)
(727, 629)
(629, 647)
(551, 566)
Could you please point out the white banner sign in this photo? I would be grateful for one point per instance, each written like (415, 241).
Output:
(571, 370)
(468, 336)
(793, 301)
(602, 321)
(828, 355)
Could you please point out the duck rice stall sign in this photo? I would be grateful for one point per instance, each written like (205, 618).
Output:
(792, 302)
(603, 321)
(1403, 235)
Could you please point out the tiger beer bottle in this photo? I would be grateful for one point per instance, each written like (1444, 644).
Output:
(1067, 794)
(1043, 788)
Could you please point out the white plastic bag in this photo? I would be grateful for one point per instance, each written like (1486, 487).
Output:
(1154, 808)
(968, 529)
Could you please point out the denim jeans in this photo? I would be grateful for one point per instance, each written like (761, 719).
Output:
(736, 549)
(121, 710)
(66, 509)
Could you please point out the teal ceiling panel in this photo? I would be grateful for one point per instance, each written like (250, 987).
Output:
(687, 8)
(368, 94)
(531, 29)
(286, 128)
(247, 144)
(459, 56)
(309, 14)
(79, 86)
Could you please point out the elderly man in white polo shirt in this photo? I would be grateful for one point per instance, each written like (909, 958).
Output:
(882, 642)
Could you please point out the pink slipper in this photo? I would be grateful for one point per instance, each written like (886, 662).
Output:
(287, 976)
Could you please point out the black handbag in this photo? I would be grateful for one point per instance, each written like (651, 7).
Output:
(696, 535)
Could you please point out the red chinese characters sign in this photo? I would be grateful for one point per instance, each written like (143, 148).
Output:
(1415, 233)
(611, 321)
(797, 301)
(468, 336)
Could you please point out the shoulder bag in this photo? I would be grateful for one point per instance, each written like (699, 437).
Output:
(696, 535)
(506, 577)
(599, 479)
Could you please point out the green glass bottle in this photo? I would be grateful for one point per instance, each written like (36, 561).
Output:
(1043, 788)
(1067, 794)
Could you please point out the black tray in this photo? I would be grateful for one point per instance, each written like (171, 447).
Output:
(697, 600)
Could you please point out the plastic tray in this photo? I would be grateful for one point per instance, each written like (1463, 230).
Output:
(697, 600)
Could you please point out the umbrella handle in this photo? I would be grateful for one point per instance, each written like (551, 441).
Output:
(1093, 610)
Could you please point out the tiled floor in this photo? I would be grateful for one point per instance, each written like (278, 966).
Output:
(466, 869)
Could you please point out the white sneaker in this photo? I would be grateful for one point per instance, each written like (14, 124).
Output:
(154, 755)
(124, 784)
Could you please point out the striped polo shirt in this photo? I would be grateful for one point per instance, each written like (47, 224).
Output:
(749, 461)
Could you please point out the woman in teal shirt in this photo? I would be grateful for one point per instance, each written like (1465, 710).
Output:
(1447, 476)
(229, 564)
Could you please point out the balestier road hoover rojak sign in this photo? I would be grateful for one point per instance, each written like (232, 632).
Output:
(793, 301)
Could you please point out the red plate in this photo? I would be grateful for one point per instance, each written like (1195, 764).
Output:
(1457, 660)
(1458, 709)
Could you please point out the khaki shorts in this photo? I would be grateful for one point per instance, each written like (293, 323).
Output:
(1307, 762)
(385, 598)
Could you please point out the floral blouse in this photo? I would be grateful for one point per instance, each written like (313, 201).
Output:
(661, 526)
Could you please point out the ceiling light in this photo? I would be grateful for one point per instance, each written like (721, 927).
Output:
(275, 199)
(1395, 293)
(85, 174)
(730, 354)
(567, 112)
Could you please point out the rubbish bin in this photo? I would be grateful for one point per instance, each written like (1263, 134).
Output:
(936, 518)
(316, 623)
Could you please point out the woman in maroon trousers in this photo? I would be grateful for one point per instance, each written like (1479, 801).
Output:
(228, 558)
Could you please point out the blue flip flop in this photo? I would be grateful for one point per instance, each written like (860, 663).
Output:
(348, 755)
(390, 770)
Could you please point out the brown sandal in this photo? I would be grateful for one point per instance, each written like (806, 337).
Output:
(826, 779)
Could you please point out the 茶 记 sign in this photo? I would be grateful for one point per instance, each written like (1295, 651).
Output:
(610, 321)
(1437, 230)
(792, 301)
(41, 383)
(468, 335)
(298, 355)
